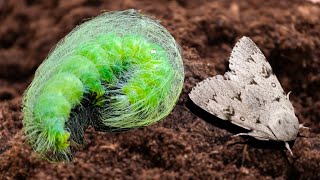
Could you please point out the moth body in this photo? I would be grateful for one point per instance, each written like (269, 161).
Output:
(284, 126)
(250, 96)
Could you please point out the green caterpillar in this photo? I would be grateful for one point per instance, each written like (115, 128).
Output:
(120, 70)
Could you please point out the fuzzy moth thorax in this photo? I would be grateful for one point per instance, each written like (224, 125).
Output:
(284, 125)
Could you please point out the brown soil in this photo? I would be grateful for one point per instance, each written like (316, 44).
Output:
(183, 145)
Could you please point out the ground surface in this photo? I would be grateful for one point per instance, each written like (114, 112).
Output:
(182, 145)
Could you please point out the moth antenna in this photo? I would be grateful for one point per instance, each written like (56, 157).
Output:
(288, 148)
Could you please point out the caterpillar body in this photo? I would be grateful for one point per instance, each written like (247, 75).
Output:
(120, 70)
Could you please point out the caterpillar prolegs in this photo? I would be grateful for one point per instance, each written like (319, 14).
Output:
(120, 70)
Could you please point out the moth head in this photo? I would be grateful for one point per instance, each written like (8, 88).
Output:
(284, 126)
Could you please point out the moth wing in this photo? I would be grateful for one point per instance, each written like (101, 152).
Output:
(227, 100)
(249, 66)
(246, 95)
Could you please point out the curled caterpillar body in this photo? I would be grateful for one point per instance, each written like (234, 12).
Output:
(120, 70)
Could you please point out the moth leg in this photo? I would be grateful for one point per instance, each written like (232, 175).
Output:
(245, 154)
(301, 126)
(288, 148)
(253, 134)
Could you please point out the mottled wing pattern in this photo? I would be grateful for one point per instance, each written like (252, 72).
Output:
(244, 94)
(222, 98)
(248, 66)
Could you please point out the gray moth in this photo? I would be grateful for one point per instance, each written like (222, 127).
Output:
(249, 96)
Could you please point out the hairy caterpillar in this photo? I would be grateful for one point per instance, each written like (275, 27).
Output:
(120, 70)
